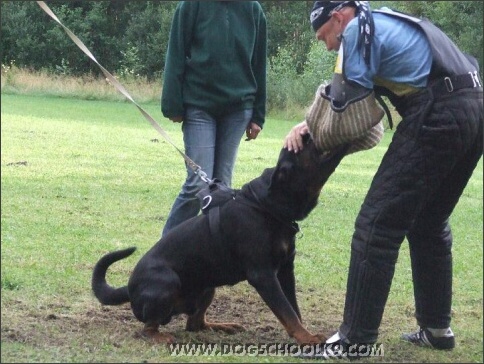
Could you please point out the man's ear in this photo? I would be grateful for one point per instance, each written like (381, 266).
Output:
(337, 16)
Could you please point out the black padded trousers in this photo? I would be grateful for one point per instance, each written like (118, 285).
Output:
(434, 152)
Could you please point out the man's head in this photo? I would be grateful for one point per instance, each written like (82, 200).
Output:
(329, 19)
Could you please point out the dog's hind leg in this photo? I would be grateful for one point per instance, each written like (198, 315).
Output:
(197, 322)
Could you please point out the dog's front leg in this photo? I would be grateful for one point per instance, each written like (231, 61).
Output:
(288, 284)
(268, 287)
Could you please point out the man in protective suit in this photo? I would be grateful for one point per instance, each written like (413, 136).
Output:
(437, 90)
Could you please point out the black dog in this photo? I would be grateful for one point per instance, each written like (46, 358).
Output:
(254, 240)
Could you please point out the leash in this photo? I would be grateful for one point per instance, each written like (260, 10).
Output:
(195, 167)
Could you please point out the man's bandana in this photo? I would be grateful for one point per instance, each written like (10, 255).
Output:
(321, 13)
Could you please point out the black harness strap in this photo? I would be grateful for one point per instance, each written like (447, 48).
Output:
(214, 223)
(385, 108)
(261, 207)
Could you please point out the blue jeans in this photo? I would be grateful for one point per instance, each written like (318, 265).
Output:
(212, 143)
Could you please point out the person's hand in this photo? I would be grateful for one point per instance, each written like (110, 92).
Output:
(177, 119)
(252, 131)
(294, 140)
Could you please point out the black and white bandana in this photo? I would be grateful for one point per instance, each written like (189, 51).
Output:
(321, 13)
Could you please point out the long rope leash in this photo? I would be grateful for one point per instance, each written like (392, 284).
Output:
(195, 167)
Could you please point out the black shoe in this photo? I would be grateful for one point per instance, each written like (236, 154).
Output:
(423, 337)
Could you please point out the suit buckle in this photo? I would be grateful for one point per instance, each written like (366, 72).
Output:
(448, 84)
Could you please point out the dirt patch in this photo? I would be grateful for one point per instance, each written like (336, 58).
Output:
(58, 323)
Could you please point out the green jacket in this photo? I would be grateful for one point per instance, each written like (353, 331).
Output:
(216, 59)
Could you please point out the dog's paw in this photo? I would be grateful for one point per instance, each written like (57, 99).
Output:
(229, 328)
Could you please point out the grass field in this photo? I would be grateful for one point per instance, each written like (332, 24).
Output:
(81, 178)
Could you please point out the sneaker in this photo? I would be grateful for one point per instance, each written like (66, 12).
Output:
(423, 337)
(333, 348)
(336, 347)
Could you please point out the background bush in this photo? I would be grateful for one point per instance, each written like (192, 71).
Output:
(129, 38)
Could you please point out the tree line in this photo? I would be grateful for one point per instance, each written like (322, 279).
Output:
(130, 37)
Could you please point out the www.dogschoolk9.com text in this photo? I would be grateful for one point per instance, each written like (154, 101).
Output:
(277, 349)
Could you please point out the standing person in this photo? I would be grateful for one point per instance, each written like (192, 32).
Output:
(215, 85)
(438, 93)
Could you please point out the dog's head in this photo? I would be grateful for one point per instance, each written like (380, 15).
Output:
(298, 178)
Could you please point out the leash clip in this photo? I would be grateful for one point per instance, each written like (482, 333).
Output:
(202, 175)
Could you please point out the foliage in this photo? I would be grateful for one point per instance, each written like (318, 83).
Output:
(125, 36)
(318, 67)
(289, 90)
(131, 36)
(289, 29)
(130, 39)
(147, 35)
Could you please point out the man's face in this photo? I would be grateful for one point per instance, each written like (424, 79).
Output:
(328, 33)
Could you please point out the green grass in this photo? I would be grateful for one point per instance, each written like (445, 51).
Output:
(80, 178)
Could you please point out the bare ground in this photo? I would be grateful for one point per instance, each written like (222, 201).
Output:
(59, 324)
(79, 329)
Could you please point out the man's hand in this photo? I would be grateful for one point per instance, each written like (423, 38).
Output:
(252, 131)
(294, 140)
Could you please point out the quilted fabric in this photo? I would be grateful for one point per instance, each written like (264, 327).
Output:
(358, 123)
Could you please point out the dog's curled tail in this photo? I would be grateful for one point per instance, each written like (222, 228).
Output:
(106, 294)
